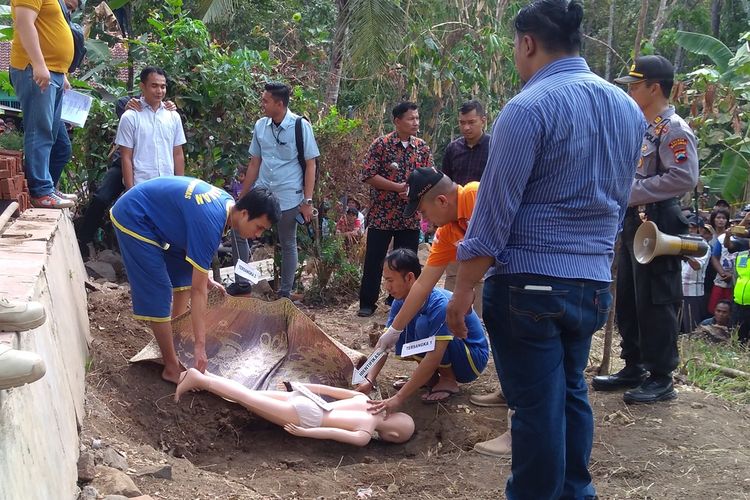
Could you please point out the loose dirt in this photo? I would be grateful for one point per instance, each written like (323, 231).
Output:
(695, 447)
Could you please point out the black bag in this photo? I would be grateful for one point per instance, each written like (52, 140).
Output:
(301, 150)
(79, 42)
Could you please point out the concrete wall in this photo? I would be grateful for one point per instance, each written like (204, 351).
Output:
(39, 422)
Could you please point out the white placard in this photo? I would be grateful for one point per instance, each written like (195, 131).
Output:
(360, 375)
(75, 108)
(312, 396)
(418, 347)
(255, 272)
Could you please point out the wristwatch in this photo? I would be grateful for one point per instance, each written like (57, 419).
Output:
(308, 201)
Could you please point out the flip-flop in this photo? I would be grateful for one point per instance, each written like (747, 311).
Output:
(450, 394)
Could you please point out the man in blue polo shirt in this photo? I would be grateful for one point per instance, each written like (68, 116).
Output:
(168, 229)
(446, 361)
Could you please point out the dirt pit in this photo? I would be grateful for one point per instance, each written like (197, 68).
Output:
(694, 447)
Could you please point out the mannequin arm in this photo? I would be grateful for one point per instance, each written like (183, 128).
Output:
(334, 392)
(357, 438)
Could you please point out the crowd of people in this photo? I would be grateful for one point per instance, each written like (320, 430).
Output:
(526, 218)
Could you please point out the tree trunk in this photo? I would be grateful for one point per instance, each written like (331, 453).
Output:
(605, 366)
(661, 18)
(716, 6)
(641, 26)
(679, 53)
(500, 11)
(338, 47)
(610, 36)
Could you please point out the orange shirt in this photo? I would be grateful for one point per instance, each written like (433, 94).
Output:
(55, 38)
(448, 237)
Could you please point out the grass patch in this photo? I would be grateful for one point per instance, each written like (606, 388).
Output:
(695, 351)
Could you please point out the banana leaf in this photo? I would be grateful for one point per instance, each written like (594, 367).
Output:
(706, 45)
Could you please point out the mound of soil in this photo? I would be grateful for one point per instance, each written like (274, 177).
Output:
(694, 447)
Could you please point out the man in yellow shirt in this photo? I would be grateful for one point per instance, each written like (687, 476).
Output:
(40, 56)
(449, 206)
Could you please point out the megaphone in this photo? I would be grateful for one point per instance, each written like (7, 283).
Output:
(650, 242)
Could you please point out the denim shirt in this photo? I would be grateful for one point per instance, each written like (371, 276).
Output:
(280, 171)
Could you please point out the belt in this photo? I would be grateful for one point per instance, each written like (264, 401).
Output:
(638, 209)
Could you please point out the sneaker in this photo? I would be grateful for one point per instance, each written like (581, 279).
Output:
(239, 289)
(489, 400)
(66, 196)
(499, 447)
(20, 316)
(51, 201)
(19, 367)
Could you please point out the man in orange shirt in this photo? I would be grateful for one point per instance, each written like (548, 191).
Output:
(449, 206)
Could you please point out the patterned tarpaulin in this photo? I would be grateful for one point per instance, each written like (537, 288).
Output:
(260, 343)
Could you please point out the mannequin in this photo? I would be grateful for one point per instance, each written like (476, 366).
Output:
(348, 420)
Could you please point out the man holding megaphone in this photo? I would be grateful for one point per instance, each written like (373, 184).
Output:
(649, 294)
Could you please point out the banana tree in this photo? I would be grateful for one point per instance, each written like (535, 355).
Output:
(719, 100)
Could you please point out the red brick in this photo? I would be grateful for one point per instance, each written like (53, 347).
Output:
(5, 173)
(6, 186)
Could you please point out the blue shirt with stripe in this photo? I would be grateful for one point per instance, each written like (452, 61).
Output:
(186, 213)
(430, 321)
(562, 159)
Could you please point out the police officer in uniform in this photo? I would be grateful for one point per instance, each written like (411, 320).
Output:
(648, 296)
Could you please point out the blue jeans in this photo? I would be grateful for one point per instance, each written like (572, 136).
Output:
(540, 341)
(46, 143)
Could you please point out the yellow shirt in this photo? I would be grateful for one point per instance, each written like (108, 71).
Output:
(55, 38)
(447, 237)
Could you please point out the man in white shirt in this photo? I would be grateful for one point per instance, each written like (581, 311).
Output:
(151, 139)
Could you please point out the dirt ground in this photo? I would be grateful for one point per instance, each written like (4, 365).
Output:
(695, 447)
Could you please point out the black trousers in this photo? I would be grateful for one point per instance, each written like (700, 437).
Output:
(377, 247)
(108, 191)
(649, 296)
(742, 318)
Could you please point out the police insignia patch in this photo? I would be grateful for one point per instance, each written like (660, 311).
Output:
(662, 128)
(679, 149)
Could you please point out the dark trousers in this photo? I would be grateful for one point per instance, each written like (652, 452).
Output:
(742, 318)
(649, 296)
(109, 189)
(541, 339)
(377, 247)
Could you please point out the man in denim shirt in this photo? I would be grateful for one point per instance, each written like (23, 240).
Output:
(274, 165)
(562, 158)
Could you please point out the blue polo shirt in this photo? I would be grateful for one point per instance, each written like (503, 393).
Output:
(280, 171)
(176, 212)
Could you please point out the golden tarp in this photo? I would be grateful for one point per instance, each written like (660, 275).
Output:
(260, 343)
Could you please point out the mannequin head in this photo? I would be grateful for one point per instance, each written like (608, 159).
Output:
(396, 428)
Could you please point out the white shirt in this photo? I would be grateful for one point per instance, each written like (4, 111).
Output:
(152, 135)
(692, 280)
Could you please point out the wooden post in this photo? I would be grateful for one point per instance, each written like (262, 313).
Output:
(609, 327)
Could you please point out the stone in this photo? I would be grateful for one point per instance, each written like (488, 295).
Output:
(292, 462)
(101, 270)
(112, 258)
(116, 497)
(160, 471)
(88, 493)
(97, 444)
(113, 458)
(111, 481)
(86, 467)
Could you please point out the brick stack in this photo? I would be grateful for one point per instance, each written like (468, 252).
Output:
(13, 185)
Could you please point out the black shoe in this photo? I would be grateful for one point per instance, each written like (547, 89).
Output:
(84, 248)
(627, 378)
(239, 289)
(653, 389)
(366, 311)
(389, 301)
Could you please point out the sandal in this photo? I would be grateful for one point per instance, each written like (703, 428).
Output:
(448, 395)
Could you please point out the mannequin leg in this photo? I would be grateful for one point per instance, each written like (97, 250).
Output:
(271, 409)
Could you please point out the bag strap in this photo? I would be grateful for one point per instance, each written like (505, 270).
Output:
(300, 145)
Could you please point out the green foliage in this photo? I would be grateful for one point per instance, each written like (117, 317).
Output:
(11, 140)
(706, 45)
(334, 276)
(695, 351)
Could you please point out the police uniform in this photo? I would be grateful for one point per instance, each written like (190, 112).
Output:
(649, 295)
(742, 294)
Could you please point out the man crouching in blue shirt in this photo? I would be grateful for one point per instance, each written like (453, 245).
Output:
(168, 229)
(454, 360)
